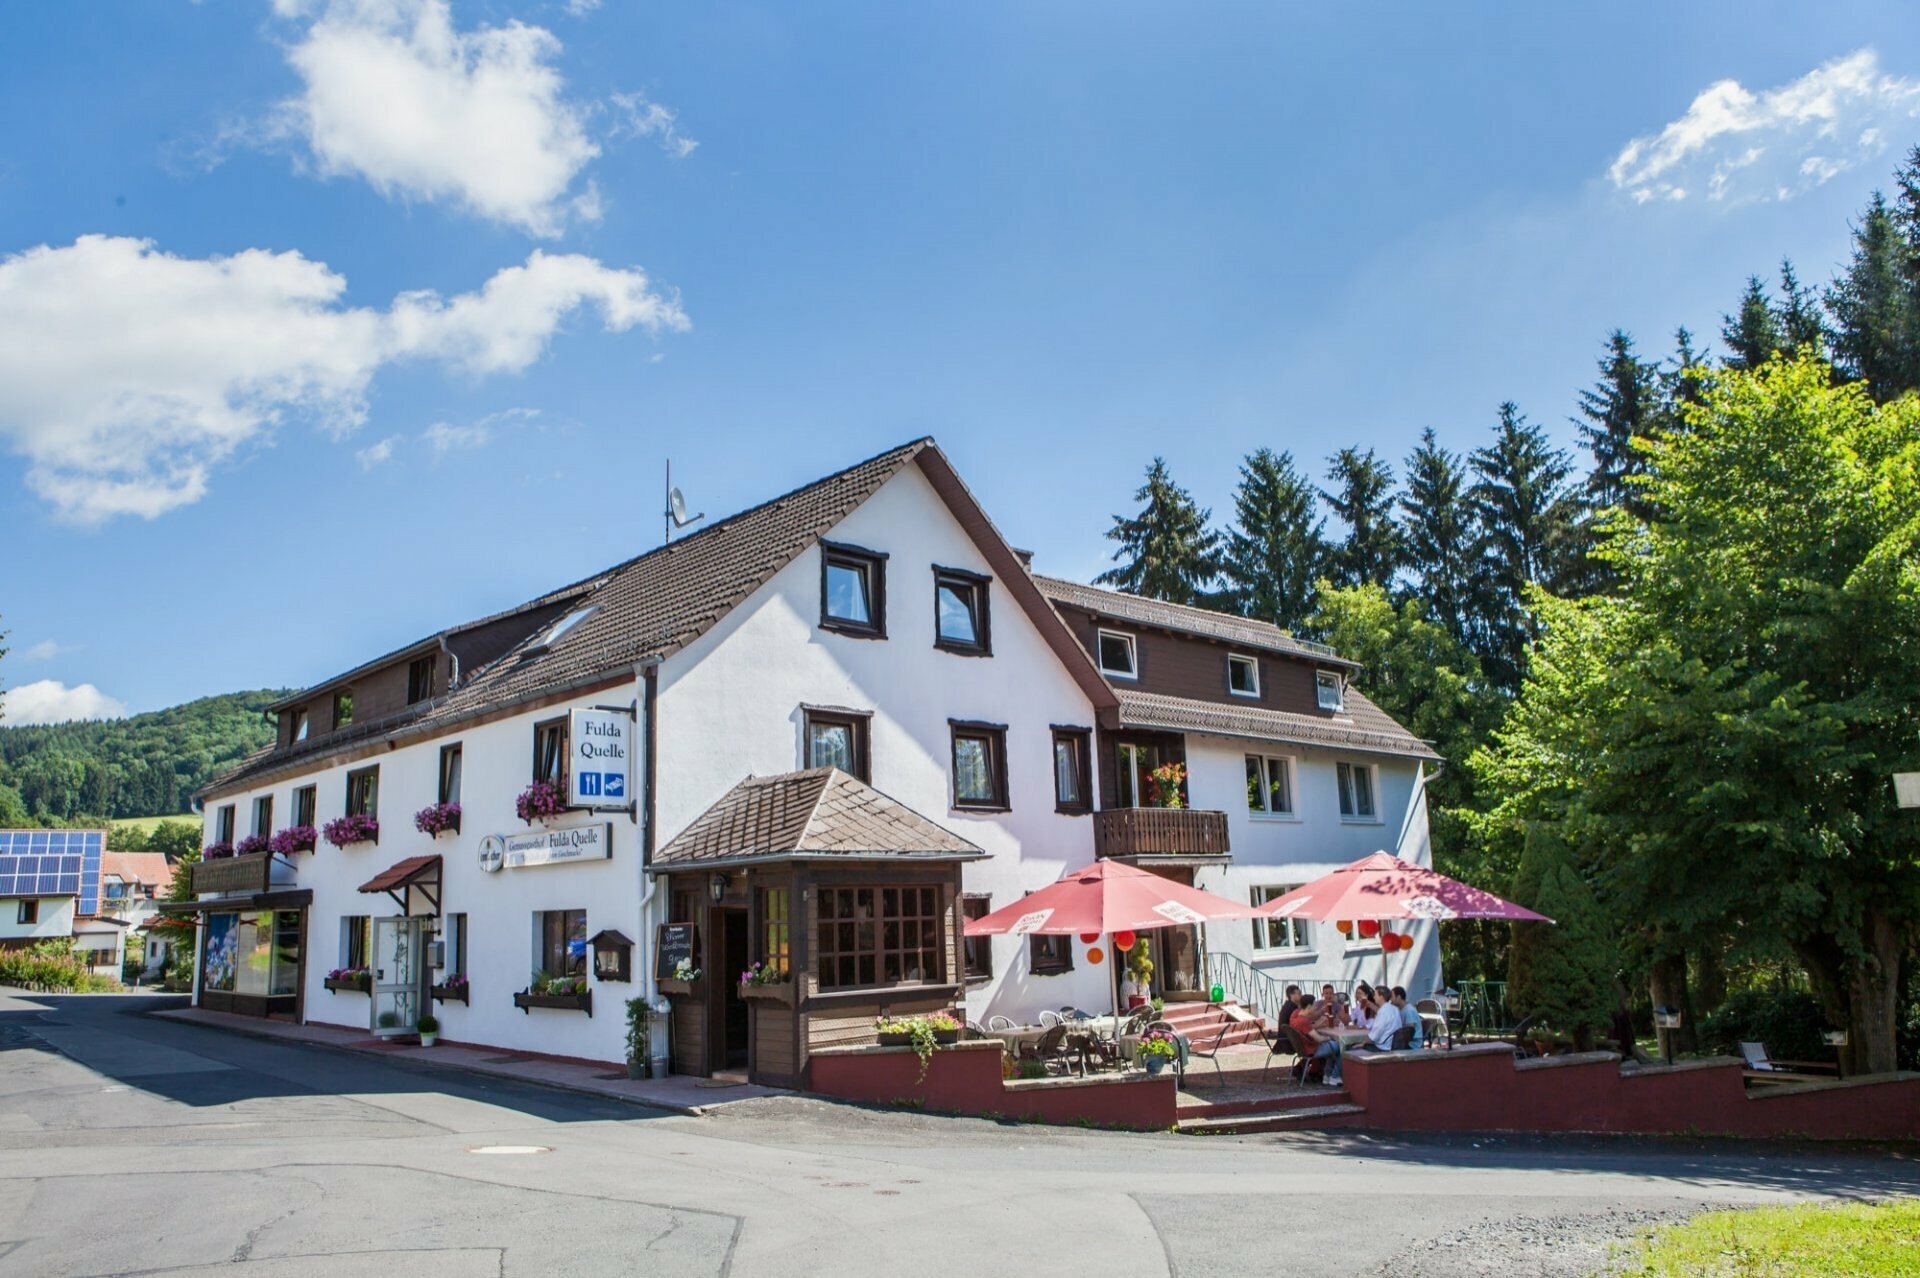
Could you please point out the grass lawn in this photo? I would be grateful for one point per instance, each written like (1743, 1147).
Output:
(144, 824)
(1865, 1239)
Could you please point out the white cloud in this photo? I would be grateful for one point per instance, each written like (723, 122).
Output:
(50, 701)
(581, 8)
(127, 374)
(373, 454)
(1735, 144)
(646, 119)
(45, 650)
(445, 437)
(395, 95)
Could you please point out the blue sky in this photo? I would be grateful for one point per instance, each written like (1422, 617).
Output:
(323, 325)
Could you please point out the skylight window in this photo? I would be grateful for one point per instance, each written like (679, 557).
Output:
(560, 630)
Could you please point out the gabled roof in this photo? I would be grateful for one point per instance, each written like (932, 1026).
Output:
(650, 607)
(149, 869)
(1363, 726)
(819, 813)
(1224, 627)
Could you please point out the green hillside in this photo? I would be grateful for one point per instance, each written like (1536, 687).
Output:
(143, 766)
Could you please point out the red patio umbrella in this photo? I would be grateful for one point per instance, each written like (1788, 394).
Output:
(1107, 897)
(1383, 888)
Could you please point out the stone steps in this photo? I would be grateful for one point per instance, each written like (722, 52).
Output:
(1299, 1118)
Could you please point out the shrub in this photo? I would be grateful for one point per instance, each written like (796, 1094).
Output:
(1560, 972)
(1788, 1022)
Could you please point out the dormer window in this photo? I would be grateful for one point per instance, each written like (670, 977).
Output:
(1243, 676)
(1117, 655)
(302, 725)
(420, 678)
(853, 591)
(343, 707)
(1330, 690)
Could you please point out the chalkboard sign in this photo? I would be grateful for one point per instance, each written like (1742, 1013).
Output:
(677, 941)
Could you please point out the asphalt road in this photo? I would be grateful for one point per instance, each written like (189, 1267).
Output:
(130, 1145)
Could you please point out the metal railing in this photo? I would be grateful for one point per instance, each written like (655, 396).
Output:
(1159, 832)
(1483, 1008)
(1247, 985)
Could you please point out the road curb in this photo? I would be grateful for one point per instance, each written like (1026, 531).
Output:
(427, 1067)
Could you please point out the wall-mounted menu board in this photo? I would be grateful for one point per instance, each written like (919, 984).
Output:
(676, 942)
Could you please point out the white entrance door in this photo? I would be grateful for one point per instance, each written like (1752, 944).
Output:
(397, 971)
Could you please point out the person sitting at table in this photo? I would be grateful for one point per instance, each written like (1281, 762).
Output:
(1409, 1017)
(1362, 1012)
(1386, 1023)
(1310, 1025)
(1325, 1002)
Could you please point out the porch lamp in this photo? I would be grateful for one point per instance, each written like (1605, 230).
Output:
(717, 888)
(1667, 1018)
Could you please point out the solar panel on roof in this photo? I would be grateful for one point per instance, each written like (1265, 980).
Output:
(53, 863)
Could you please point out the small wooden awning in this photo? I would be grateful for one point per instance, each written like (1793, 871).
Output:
(402, 877)
(610, 937)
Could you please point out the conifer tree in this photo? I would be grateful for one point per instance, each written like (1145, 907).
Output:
(1752, 333)
(1874, 303)
(1803, 329)
(1528, 523)
(1437, 533)
(1166, 551)
(1624, 403)
(1362, 499)
(1561, 972)
(1277, 548)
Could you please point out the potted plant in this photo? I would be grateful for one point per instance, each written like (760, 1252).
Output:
(429, 1030)
(1157, 1048)
(388, 1020)
(355, 827)
(357, 979)
(763, 982)
(1166, 786)
(639, 1018)
(295, 838)
(216, 851)
(541, 801)
(1140, 970)
(451, 990)
(251, 844)
(685, 977)
(921, 1033)
(437, 818)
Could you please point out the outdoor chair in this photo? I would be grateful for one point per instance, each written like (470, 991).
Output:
(1211, 1052)
(1000, 1023)
(1521, 1047)
(1180, 1043)
(1285, 1042)
(1764, 1069)
(1049, 1019)
(1301, 1048)
(1050, 1050)
(1403, 1039)
(975, 1030)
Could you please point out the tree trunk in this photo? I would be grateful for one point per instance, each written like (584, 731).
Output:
(1710, 977)
(1873, 996)
(1667, 985)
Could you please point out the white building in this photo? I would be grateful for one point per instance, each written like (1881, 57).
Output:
(845, 720)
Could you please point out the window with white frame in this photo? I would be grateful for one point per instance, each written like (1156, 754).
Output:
(1279, 934)
(1243, 675)
(1327, 687)
(1117, 655)
(1269, 785)
(1356, 791)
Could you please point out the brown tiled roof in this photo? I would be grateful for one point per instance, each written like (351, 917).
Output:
(402, 872)
(821, 812)
(644, 609)
(1225, 627)
(1363, 727)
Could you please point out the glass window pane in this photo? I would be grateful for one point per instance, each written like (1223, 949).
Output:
(1279, 798)
(1256, 786)
(1345, 774)
(847, 593)
(972, 775)
(1116, 654)
(830, 745)
(955, 605)
(1363, 791)
(1066, 770)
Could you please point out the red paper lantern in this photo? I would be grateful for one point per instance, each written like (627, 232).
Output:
(1088, 938)
(1389, 941)
(1095, 955)
(1369, 928)
(1345, 926)
(1124, 941)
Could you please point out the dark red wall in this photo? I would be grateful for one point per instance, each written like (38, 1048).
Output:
(967, 1080)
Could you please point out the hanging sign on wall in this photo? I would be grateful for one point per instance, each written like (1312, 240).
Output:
(600, 749)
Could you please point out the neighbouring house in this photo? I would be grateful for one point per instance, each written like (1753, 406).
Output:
(131, 885)
(809, 740)
(50, 889)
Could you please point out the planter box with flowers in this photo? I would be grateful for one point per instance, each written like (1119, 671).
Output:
(563, 993)
(216, 851)
(541, 801)
(437, 818)
(685, 979)
(251, 844)
(348, 830)
(451, 990)
(355, 979)
(295, 838)
(764, 983)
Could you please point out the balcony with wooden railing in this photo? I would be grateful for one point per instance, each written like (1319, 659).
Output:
(1130, 832)
(250, 873)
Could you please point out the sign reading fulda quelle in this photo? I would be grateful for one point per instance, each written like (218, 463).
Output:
(552, 847)
(599, 744)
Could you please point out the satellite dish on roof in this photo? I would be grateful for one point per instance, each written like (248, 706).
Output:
(676, 512)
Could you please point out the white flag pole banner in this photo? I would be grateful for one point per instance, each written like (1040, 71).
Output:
(599, 749)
